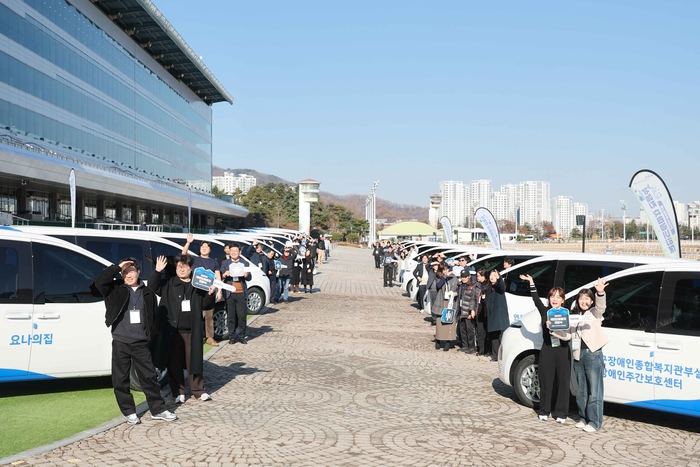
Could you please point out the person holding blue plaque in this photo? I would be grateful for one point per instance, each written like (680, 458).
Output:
(555, 357)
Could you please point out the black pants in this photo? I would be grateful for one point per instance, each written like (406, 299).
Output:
(554, 372)
(125, 355)
(388, 275)
(421, 295)
(481, 335)
(466, 332)
(273, 288)
(237, 311)
(376, 262)
(178, 361)
(495, 338)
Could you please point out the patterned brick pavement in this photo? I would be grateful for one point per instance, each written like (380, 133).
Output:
(350, 377)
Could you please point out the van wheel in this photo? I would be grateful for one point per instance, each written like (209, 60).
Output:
(220, 322)
(135, 382)
(256, 300)
(526, 382)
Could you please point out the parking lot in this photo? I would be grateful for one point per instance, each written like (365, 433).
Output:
(349, 376)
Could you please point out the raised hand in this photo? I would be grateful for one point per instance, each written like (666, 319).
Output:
(125, 264)
(600, 286)
(190, 238)
(161, 263)
(527, 277)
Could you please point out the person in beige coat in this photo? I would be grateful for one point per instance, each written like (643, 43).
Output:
(587, 341)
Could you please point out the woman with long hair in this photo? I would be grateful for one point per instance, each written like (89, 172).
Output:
(497, 311)
(307, 272)
(587, 341)
(481, 322)
(554, 366)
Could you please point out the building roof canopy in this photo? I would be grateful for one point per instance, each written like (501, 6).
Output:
(147, 26)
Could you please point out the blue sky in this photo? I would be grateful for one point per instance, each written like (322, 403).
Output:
(579, 93)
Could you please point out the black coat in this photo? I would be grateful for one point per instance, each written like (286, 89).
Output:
(497, 307)
(116, 296)
(171, 293)
(307, 272)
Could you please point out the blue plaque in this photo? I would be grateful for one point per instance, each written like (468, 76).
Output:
(558, 319)
(203, 278)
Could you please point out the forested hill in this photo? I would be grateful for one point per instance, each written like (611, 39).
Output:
(356, 203)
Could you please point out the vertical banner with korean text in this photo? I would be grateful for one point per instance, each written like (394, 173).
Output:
(488, 222)
(654, 197)
(71, 179)
(447, 227)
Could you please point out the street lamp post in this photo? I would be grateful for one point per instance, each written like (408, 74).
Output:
(624, 214)
(372, 210)
(602, 223)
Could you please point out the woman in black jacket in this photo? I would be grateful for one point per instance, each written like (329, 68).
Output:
(481, 323)
(555, 359)
(497, 311)
(307, 272)
(183, 304)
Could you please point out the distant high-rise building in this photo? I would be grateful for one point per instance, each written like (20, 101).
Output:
(564, 218)
(230, 181)
(480, 195)
(452, 205)
(535, 204)
(681, 212)
(580, 209)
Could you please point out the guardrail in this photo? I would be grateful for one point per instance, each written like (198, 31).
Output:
(149, 228)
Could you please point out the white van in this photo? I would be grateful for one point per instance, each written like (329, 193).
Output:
(653, 322)
(53, 318)
(566, 270)
(115, 245)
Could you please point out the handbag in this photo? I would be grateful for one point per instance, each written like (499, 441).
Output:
(448, 314)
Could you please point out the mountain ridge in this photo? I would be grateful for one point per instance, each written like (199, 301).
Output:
(388, 210)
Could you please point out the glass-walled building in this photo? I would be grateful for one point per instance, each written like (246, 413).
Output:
(110, 83)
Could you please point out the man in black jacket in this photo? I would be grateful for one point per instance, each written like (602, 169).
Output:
(130, 311)
(377, 253)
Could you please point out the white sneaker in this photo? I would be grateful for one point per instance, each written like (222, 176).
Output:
(561, 420)
(180, 399)
(580, 424)
(544, 418)
(205, 397)
(589, 429)
(166, 415)
(133, 419)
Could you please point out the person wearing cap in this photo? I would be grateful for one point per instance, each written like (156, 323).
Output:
(466, 295)
(236, 300)
(390, 262)
(321, 250)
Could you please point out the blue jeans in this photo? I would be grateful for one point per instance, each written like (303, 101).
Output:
(283, 286)
(589, 374)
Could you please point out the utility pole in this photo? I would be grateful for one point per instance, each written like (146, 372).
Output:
(602, 223)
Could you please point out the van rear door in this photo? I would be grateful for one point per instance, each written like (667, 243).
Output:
(69, 336)
(16, 309)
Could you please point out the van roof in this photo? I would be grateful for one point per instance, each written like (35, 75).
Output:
(17, 235)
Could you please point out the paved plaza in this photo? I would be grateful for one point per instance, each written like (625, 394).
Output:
(349, 376)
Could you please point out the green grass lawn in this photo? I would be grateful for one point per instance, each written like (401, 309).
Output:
(36, 413)
(54, 410)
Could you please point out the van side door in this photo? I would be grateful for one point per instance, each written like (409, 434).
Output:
(630, 324)
(676, 365)
(16, 309)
